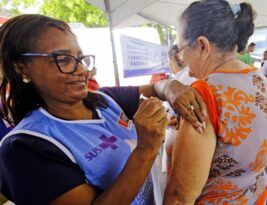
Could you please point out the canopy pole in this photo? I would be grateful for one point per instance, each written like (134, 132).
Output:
(116, 71)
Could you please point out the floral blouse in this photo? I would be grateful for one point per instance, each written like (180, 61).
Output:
(237, 103)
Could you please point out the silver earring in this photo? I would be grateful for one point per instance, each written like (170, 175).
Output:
(25, 80)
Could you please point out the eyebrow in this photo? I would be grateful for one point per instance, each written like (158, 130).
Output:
(61, 51)
(65, 51)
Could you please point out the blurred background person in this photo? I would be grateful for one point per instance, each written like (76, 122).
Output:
(264, 64)
(92, 84)
(178, 67)
(175, 65)
(245, 55)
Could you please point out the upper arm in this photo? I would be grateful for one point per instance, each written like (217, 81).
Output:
(191, 161)
(82, 195)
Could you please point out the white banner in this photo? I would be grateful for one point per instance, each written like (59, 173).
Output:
(143, 58)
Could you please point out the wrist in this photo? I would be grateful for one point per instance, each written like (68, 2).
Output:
(145, 154)
(173, 87)
(160, 88)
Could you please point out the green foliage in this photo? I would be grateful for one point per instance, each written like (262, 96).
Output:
(75, 11)
(165, 32)
(71, 11)
(16, 5)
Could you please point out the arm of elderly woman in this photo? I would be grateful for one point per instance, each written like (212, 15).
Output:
(191, 160)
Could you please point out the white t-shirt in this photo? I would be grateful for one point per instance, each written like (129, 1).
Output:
(184, 77)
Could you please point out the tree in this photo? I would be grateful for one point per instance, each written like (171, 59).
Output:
(166, 33)
(75, 11)
(16, 5)
(68, 10)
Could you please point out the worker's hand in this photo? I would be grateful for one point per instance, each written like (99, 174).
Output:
(151, 123)
(187, 103)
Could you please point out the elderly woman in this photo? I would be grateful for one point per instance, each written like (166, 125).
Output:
(225, 164)
(71, 146)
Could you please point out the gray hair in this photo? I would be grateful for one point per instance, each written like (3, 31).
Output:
(215, 20)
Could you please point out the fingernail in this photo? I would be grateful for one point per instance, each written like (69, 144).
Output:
(204, 125)
(200, 130)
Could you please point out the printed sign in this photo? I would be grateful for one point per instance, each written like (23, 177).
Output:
(143, 58)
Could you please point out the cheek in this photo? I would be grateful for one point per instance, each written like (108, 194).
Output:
(187, 57)
(49, 80)
(191, 59)
(50, 84)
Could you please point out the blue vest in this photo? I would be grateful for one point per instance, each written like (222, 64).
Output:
(100, 146)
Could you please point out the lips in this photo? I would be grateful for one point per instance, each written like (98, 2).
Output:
(77, 81)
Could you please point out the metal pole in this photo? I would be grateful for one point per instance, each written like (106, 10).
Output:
(116, 71)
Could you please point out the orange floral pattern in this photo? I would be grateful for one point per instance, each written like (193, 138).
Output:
(219, 194)
(261, 99)
(261, 158)
(235, 125)
(241, 151)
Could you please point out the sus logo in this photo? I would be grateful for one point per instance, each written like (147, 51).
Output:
(106, 143)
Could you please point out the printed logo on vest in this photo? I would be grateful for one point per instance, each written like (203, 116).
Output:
(107, 142)
(124, 121)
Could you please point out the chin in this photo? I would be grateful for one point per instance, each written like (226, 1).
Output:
(81, 94)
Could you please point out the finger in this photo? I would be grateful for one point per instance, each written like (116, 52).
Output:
(149, 105)
(172, 122)
(191, 118)
(159, 116)
(162, 124)
(201, 104)
(151, 114)
(141, 101)
(198, 113)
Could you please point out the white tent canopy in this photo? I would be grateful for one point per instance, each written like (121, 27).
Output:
(136, 12)
(126, 13)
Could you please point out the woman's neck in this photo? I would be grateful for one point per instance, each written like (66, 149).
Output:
(69, 111)
(226, 62)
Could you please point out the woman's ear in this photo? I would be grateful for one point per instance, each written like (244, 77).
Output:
(20, 70)
(205, 47)
(18, 67)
